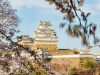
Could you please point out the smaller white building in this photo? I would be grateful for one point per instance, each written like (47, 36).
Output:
(84, 51)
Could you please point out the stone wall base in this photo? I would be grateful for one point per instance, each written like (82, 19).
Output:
(47, 46)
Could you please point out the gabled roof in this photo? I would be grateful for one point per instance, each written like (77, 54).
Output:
(43, 23)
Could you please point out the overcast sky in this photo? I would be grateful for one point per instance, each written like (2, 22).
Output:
(33, 11)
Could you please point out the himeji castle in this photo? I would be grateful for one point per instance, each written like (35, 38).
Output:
(45, 36)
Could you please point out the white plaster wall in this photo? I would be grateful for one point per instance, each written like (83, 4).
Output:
(70, 56)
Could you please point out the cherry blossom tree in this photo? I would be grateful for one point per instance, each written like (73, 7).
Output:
(9, 22)
(72, 11)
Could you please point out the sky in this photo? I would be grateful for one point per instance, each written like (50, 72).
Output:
(32, 12)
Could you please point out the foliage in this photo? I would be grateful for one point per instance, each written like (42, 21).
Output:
(88, 64)
(72, 71)
(41, 72)
(72, 9)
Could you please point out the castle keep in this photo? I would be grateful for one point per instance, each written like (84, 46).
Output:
(45, 37)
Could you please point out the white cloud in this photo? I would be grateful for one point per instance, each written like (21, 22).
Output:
(30, 3)
(51, 11)
(90, 8)
(18, 4)
(43, 4)
(98, 5)
(48, 9)
(93, 8)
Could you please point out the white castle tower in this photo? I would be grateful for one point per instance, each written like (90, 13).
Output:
(45, 37)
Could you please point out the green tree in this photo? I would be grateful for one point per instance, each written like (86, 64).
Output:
(72, 71)
(88, 64)
(41, 72)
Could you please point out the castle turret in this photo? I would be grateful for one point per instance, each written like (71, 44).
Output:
(26, 41)
(45, 37)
